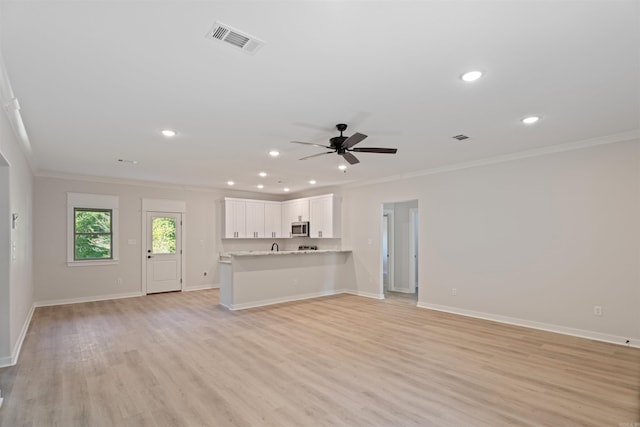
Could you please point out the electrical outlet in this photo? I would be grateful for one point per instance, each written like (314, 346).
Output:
(119, 281)
(597, 310)
(454, 291)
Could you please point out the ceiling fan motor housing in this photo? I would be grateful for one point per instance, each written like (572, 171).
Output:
(336, 142)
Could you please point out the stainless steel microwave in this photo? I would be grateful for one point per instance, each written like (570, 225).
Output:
(300, 229)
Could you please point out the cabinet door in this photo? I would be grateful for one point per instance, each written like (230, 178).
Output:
(325, 217)
(320, 217)
(234, 219)
(255, 219)
(273, 220)
(302, 210)
(288, 215)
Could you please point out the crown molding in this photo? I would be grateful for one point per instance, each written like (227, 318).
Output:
(151, 184)
(610, 139)
(122, 181)
(570, 146)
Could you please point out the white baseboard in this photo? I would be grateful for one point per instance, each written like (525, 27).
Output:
(271, 301)
(364, 294)
(581, 333)
(6, 361)
(15, 353)
(87, 299)
(201, 287)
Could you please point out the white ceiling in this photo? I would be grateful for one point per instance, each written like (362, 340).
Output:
(98, 80)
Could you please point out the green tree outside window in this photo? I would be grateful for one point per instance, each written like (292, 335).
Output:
(164, 235)
(93, 234)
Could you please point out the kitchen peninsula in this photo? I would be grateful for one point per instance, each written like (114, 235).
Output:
(257, 278)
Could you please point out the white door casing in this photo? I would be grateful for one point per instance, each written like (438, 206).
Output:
(387, 252)
(164, 252)
(413, 249)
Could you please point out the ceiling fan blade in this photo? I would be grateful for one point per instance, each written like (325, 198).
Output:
(316, 155)
(350, 158)
(353, 140)
(375, 150)
(310, 143)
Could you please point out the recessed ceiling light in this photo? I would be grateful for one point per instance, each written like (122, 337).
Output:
(286, 189)
(262, 174)
(342, 167)
(274, 153)
(530, 120)
(471, 76)
(260, 186)
(230, 183)
(312, 182)
(169, 133)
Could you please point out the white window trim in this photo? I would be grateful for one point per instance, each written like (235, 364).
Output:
(91, 201)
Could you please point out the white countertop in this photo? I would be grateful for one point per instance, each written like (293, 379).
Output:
(261, 253)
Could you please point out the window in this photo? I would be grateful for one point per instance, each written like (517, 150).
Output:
(163, 239)
(92, 230)
(93, 234)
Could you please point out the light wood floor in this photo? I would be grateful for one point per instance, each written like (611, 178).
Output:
(181, 360)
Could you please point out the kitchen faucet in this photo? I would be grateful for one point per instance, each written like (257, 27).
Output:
(276, 245)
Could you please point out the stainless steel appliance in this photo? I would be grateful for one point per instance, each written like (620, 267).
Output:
(307, 248)
(300, 229)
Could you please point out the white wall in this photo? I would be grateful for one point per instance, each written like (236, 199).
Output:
(16, 281)
(55, 281)
(541, 239)
(5, 264)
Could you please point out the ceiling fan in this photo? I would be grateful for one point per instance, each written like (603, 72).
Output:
(343, 145)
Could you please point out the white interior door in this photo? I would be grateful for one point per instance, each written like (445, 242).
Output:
(164, 249)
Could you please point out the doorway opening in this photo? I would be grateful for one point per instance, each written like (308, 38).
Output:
(399, 251)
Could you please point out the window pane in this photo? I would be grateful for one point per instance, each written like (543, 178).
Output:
(164, 235)
(88, 221)
(93, 246)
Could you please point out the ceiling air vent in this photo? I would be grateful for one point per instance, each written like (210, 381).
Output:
(460, 137)
(243, 41)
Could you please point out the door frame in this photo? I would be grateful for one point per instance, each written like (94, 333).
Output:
(390, 242)
(413, 249)
(161, 205)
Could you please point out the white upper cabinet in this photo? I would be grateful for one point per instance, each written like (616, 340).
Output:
(255, 219)
(325, 216)
(234, 221)
(293, 211)
(273, 220)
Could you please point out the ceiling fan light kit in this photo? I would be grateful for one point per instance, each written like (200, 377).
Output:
(343, 146)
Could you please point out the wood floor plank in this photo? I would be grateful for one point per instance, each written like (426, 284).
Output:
(181, 359)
